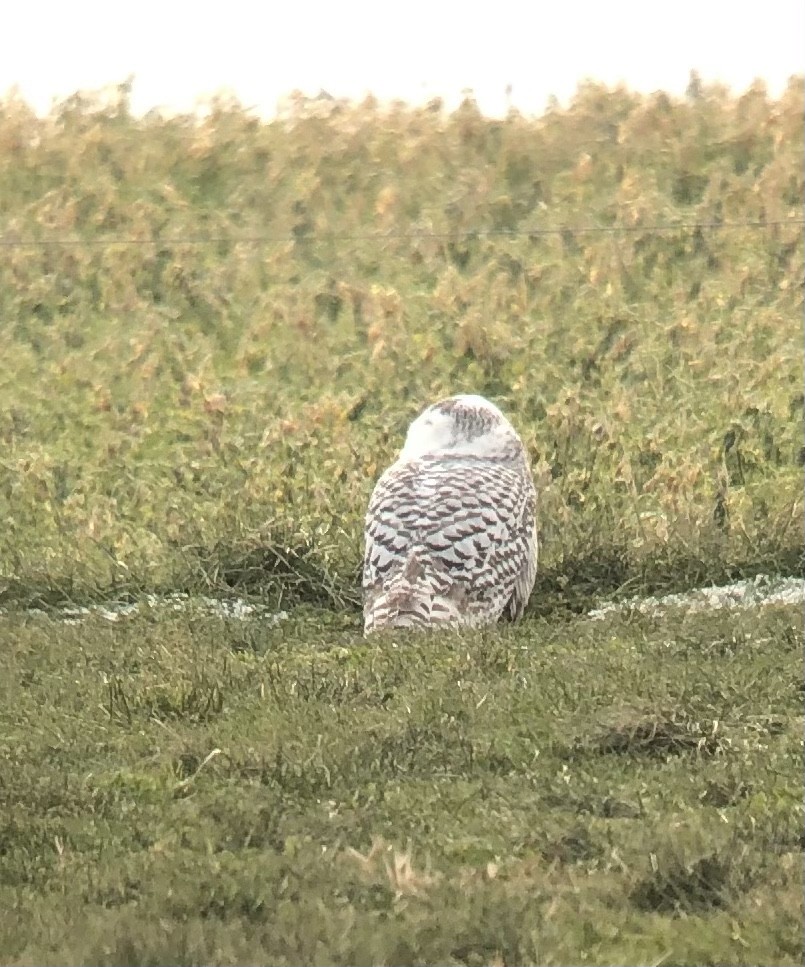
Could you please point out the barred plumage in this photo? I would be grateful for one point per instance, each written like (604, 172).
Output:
(450, 529)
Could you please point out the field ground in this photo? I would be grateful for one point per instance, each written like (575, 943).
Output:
(212, 338)
(625, 790)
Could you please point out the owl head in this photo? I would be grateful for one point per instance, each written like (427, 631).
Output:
(462, 426)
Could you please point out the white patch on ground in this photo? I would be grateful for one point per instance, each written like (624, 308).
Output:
(233, 608)
(754, 592)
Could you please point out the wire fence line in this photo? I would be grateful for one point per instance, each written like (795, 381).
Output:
(567, 231)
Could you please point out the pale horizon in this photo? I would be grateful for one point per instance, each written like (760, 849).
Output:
(180, 55)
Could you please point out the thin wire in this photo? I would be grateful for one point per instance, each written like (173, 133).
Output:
(472, 233)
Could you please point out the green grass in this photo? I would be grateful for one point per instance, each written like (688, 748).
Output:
(196, 791)
(211, 418)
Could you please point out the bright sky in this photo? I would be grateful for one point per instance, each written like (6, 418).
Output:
(260, 50)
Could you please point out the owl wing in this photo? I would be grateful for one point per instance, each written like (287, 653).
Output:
(470, 522)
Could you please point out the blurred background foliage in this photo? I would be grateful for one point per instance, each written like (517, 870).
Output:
(214, 332)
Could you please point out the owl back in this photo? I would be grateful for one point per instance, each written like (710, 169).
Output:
(449, 541)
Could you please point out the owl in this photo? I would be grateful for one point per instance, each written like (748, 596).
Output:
(450, 530)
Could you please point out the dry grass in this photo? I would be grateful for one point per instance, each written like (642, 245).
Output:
(180, 414)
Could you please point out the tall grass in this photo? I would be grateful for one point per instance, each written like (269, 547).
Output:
(172, 408)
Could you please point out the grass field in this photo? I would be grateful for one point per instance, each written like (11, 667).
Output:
(212, 338)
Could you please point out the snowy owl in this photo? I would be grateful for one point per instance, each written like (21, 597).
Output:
(450, 530)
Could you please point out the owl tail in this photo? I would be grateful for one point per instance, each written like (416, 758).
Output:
(415, 597)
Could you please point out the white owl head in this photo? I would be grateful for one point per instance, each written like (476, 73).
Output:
(464, 425)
